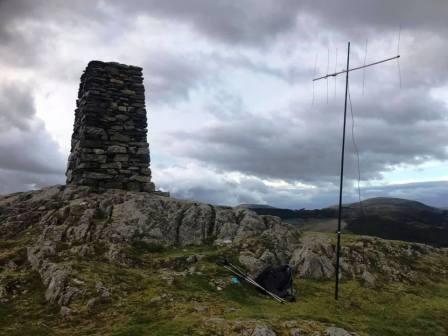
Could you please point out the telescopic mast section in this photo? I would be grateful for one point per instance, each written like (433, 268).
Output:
(341, 179)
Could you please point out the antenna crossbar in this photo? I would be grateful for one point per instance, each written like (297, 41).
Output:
(357, 68)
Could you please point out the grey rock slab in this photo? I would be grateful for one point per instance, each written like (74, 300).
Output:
(139, 178)
(334, 331)
(296, 332)
(116, 149)
(65, 311)
(263, 330)
(95, 133)
(369, 279)
(121, 157)
(97, 176)
(252, 264)
(120, 137)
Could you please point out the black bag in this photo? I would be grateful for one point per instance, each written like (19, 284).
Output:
(278, 280)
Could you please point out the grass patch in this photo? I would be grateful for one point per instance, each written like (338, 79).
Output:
(392, 309)
(141, 247)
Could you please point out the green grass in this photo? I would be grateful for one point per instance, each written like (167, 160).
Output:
(144, 303)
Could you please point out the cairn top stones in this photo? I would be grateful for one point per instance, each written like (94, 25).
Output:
(109, 148)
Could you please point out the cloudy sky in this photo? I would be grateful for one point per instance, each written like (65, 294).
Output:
(233, 114)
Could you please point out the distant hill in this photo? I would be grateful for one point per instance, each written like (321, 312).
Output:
(256, 206)
(394, 218)
(389, 218)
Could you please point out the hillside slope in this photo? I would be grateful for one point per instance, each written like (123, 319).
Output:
(389, 218)
(394, 218)
(75, 262)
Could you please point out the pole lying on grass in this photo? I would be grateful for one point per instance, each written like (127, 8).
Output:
(254, 283)
(238, 272)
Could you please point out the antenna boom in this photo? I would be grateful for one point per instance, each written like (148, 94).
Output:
(357, 68)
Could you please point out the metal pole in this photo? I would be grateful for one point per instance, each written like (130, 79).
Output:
(338, 232)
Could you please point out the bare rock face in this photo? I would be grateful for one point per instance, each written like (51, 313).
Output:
(263, 330)
(314, 259)
(334, 331)
(73, 222)
(364, 258)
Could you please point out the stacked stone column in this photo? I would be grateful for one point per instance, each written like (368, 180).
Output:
(109, 148)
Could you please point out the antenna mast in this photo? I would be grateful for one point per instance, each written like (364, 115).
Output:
(346, 71)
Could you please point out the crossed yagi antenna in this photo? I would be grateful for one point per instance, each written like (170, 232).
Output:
(334, 74)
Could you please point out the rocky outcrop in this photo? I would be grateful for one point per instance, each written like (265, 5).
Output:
(365, 258)
(315, 258)
(334, 331)
(73, 222)
(66, 224)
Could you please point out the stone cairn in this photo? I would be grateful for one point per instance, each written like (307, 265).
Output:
(109, 149)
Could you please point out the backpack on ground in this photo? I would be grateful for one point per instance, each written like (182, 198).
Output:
(278, 280)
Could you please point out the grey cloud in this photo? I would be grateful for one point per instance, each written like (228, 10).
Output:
(32, 26)
(28, 29)
(404, 107)
(286, 73)
(205, 184)
(226, 105)
(305, 145)
(13, 181)
(250, 21)
(25, 26)
(26, 148)
(255, 22)
(19, 44)
(423, 63)
(247, 190)
(16, 107)
(408, 127)
(208, 185)
(33, 152)
(380, 15)
(224, 195)
(169, 77)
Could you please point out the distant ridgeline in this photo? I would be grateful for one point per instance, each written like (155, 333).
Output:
(109, 148)
(389, 218)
